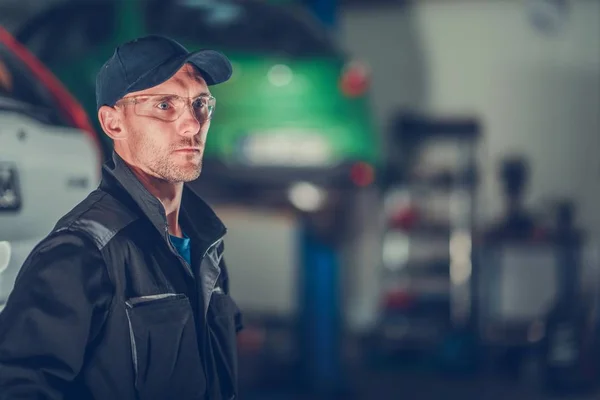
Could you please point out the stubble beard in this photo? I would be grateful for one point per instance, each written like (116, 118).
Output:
(161, 164)
(169, 171)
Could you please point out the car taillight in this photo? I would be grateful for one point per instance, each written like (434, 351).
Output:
(354, 81)
(405, 218)
(398, 300)
(362, 174)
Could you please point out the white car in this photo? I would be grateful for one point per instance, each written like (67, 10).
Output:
(50, 157)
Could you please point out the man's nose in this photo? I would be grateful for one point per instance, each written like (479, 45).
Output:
(190, 123)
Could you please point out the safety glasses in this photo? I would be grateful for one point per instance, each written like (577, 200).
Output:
(169, 107)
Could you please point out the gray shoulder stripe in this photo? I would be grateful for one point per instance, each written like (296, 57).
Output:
(99, 232)
(102, 220)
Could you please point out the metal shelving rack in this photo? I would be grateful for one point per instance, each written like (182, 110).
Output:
(430, 208)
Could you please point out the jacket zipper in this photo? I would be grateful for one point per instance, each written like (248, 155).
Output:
(217, 278)
(206, 334)
(188, 267)
(191, 273)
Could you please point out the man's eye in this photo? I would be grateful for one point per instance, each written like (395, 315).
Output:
(198, 103)
(163, 105)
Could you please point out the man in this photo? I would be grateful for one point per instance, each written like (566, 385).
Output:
(127, 298)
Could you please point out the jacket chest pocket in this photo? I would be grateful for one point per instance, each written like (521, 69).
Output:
(221, 318)
(165, 348)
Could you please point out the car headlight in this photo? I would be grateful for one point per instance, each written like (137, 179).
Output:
(307, 197)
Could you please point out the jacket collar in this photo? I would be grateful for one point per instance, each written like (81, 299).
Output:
(198, 219)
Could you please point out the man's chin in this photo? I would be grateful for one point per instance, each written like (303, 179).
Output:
(182, 178)
(189, 176)
(184, 173)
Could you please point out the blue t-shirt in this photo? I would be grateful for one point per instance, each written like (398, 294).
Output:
(183, 247)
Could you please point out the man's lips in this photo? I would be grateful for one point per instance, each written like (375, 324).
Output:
(188, 150)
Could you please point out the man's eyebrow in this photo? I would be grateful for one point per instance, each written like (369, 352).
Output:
(202, 94)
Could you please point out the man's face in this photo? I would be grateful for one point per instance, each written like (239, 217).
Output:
(168, 150)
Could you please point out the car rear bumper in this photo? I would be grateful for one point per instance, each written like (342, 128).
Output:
(346, 175)
(507, 334)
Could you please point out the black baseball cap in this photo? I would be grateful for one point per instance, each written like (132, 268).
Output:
(151, 60)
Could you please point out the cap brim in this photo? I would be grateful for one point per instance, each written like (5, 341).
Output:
(214, 67)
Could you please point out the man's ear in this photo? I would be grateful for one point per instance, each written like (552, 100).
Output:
(111, 122)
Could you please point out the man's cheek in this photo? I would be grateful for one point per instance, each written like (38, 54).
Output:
(204, 130)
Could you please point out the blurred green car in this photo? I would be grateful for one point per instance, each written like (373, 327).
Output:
(295, 110)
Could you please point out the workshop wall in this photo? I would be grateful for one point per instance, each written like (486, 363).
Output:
(535, 86)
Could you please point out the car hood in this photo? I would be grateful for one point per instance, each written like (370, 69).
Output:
(52, 168)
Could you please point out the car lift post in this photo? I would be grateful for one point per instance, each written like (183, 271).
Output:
(320, 288)
(320, 328)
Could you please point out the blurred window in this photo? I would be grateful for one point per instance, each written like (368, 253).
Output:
(21, 91)
(250, 26)
(70, 30)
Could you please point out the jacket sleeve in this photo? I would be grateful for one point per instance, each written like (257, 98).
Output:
(59, 303)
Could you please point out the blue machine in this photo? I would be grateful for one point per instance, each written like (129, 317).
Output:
(321, 319)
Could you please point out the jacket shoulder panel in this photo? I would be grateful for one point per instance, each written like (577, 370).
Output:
(100, 216)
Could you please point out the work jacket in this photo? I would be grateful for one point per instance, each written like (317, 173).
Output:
(105, 308)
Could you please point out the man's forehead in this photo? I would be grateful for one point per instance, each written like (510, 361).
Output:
(191, 71)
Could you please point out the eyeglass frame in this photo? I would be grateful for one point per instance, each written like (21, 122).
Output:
(134, 100)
